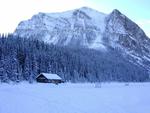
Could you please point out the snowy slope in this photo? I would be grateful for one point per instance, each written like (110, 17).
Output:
(82, 27)
(75, 98)
(75, 27)
(86, 27)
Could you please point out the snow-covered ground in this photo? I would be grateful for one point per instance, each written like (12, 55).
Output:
(75, 98)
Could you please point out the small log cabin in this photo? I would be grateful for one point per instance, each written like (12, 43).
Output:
(49, 78)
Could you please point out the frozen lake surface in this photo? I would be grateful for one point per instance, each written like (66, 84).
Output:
(75, 98)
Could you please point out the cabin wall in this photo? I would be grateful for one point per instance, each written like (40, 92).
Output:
(54, 81)
(49, 81)
(42, 80)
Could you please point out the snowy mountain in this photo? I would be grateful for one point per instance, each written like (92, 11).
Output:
(86, 27)
(82, 27)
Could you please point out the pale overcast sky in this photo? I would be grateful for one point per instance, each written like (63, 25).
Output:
(14, 11)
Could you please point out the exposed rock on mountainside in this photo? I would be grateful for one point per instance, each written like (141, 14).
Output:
(86, 27)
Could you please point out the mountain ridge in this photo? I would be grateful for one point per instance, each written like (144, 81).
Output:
(86, 27)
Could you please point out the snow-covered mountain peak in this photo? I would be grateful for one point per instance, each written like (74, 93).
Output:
(116, 11)
(81, 27)
(90, 11)
(78, 27)
(86, 27)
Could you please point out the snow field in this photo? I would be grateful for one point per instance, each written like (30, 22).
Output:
(75, 98)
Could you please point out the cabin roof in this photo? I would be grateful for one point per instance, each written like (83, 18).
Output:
(50, 76)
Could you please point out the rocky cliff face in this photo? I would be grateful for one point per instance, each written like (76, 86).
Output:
(123, 34)
(89, 28)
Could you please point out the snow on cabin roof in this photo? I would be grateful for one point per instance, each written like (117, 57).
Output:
(50, 76)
